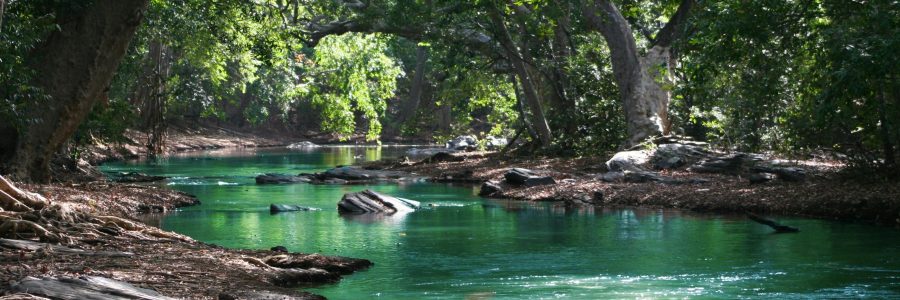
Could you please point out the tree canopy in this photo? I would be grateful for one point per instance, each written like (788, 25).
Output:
(573, 77)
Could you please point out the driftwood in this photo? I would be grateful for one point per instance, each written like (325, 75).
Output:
(56, 249)
(85, 287)
(778, 227)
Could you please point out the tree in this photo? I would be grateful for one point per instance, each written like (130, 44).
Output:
(640, 78)
(73, 67)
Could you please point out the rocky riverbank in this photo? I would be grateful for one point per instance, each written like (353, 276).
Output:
(83, 240)
(673, 175)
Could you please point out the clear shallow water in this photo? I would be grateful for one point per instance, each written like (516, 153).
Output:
(460, 246)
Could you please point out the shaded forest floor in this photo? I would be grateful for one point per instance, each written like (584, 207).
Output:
(147, 257)
(824, 194)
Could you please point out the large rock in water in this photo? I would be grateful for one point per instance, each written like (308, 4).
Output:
(272, 178)
(519, 176)
(371, 202)
(360, 174)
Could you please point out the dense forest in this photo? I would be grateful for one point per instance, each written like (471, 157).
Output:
(568, 77)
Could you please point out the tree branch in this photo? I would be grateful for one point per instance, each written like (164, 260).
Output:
(670, 33)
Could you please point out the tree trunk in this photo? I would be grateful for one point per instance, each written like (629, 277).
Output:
(564, 96)
(641, 111)
(520, 106)
(74, 67)
(2, 10)
(886, 143)
(411, 106)
(528, 88)
(640, 79)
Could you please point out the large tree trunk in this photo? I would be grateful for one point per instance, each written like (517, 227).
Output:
(564, 99)
(417, 86)
(635, 86)
(640, 79)
(74, 67)
(528, 88)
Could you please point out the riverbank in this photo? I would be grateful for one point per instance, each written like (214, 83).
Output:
(85, 231)
(823, 193)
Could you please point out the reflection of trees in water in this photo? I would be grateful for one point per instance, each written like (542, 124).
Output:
(372, 218)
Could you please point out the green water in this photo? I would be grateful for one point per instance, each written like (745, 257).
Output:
(460, 246)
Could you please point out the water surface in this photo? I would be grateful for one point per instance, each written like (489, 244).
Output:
(460, 246)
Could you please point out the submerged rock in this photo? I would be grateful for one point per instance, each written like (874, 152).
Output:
(278, 208)
(520, 176)
(303, 145)
(368, 201)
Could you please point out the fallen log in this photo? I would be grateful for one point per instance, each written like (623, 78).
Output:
(84, 287)
(778, 227)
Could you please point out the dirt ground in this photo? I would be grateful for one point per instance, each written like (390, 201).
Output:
(171, 264)
(824, 194)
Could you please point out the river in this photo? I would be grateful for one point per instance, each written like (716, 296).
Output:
(461, 246)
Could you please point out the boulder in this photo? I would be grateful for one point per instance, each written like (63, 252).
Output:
(628, 160)
(643, 176)
(463, 142)
(757, 178)
(793, 174)
(417, 152)
(272, 178)
(368, 201)
(359, 174)
(303, 145)
(613, 176)
(672, 156)
(520, 176)
(443, 157)
(495, 143)
(728, 164)
(279, 208)
(490, 189)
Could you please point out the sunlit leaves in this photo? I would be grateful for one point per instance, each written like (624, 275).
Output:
(352, 74)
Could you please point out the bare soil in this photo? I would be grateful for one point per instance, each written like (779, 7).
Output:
(824, 194)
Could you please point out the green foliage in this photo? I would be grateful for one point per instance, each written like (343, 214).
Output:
(351, 74)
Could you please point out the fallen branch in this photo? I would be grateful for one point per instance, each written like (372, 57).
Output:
(778, 227)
